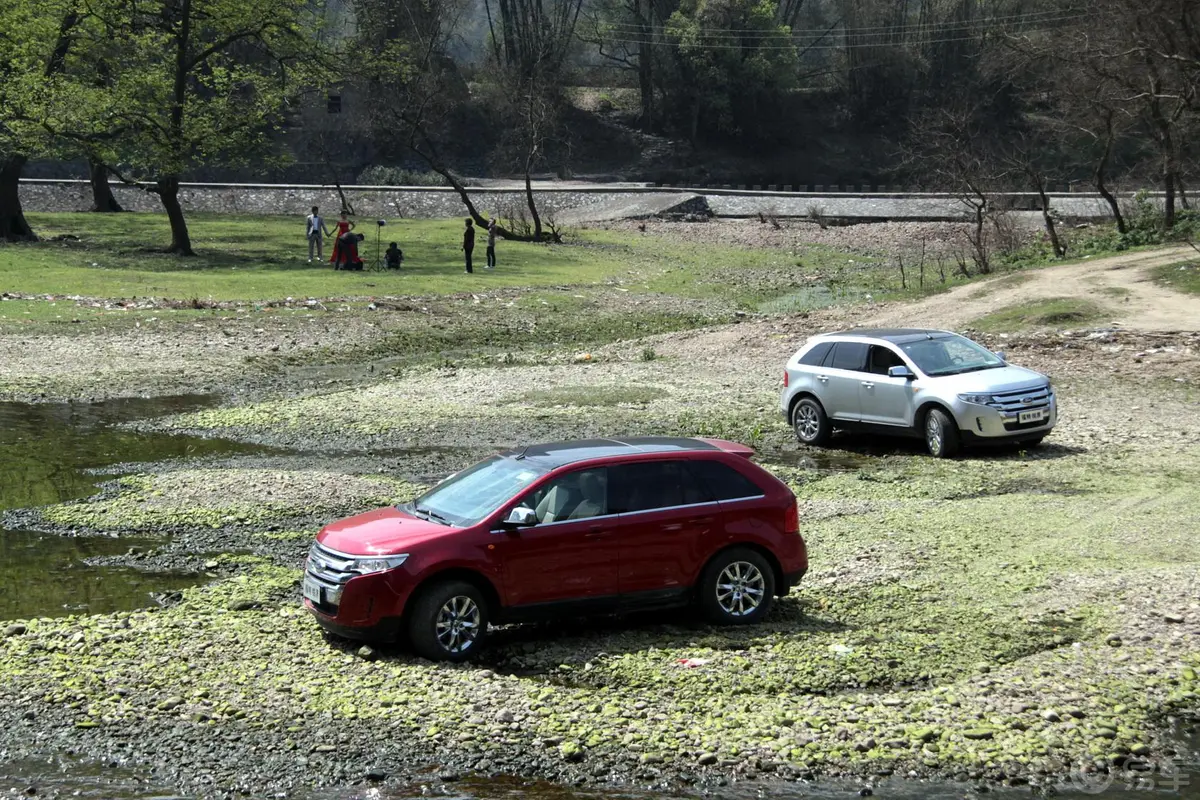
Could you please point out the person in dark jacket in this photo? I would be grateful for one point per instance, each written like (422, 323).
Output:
(469, 243)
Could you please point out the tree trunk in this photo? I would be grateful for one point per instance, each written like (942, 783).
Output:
(1051, 229)
(1101, 181)
(13, 227)
(167, 189)
(430, 157)
(102, 196)
(533, 212)
(645, 69)
(1169, 204)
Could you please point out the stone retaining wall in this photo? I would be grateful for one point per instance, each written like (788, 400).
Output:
(438, 202)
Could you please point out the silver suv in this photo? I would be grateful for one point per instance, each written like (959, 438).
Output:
(936, 385)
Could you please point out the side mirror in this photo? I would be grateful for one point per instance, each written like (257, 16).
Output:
(901, 372)
(520, 517)
(1000, 355)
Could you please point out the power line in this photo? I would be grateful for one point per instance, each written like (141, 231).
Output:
(794, 45)
(943, 26)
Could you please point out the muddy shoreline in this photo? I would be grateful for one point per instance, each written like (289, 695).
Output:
(1000, 620)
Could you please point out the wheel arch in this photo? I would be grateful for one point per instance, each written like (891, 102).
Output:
(477, 579)
(925, 408)
(765, 552)
(795, 401)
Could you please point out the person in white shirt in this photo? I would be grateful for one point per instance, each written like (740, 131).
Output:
(316, 233)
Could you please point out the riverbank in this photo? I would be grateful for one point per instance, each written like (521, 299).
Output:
(1005, 618)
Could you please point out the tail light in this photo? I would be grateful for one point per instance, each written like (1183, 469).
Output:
(791, 519)
(786, 378)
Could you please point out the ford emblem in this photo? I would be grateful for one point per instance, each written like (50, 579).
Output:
(1026, 400)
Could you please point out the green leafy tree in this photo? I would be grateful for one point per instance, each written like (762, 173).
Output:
(185, 84)
(735, 61)
(36, 41)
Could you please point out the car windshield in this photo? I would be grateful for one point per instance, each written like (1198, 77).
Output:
(467, 497)
(950, 355)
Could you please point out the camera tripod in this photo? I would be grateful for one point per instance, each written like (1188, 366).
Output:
(378, 264)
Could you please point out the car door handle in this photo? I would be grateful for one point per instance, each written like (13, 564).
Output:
(677, 526)
(595, 533)
(868, 384)
(702, 521)
(823, 378)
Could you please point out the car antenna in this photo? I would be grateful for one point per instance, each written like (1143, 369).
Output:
(521, 455)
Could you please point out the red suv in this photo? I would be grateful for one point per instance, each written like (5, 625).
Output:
(585, 527)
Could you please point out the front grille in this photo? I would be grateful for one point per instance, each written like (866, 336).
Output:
(329, 566)
(1021, 399)
(332, 570)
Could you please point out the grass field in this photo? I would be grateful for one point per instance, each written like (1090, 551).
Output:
(265, 258)
(1181, 278)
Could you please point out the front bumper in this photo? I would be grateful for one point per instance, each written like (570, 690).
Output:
(382, 630)
(984, 422)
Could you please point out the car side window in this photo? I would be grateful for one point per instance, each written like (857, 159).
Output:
(723, 481)
(576, 495)
(882, 359)
(848, 355)
(649, 485)
(816, 354)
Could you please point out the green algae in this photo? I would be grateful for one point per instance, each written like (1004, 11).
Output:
(218, 498)
(949, 610)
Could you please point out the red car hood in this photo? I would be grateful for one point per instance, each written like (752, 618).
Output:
(386, 531)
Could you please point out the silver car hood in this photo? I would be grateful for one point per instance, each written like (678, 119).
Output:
(1003, 379)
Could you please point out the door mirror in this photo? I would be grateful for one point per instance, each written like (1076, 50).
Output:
(1000, 355)
(520, 517)
(901, 372)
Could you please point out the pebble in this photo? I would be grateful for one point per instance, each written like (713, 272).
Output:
(15, 630)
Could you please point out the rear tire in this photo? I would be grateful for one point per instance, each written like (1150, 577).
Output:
(942, 438)
(737, 587)
(448, 622)
(810, 423)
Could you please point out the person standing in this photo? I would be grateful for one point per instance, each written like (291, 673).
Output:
(491, 245)
(469, 243)
(315, 231)
(344, 226)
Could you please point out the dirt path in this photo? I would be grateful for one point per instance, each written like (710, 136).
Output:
(1121, 284)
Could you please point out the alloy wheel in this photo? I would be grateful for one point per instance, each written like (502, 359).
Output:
(457, 624)
(740, 589)
(933, 433)
(807, 422)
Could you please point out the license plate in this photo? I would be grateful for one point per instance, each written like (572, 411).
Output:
(1033, 416)
(311, 589)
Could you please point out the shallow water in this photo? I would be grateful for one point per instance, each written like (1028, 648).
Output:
(51, 453)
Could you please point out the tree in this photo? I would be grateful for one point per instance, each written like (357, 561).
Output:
(535, 35)
(733, 79)
(191, 83)
(35, 42)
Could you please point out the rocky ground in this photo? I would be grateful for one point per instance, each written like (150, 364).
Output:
(1005, 617)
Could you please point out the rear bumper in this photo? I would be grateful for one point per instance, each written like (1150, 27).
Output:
(790, 579)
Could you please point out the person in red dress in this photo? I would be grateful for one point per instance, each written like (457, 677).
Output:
(343, 226)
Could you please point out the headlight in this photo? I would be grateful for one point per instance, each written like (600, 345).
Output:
(365, 566)
(977, 399)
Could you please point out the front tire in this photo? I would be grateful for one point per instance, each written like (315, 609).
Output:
(737, 587)
(448, 622)
(941, 434)
(810, 423)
